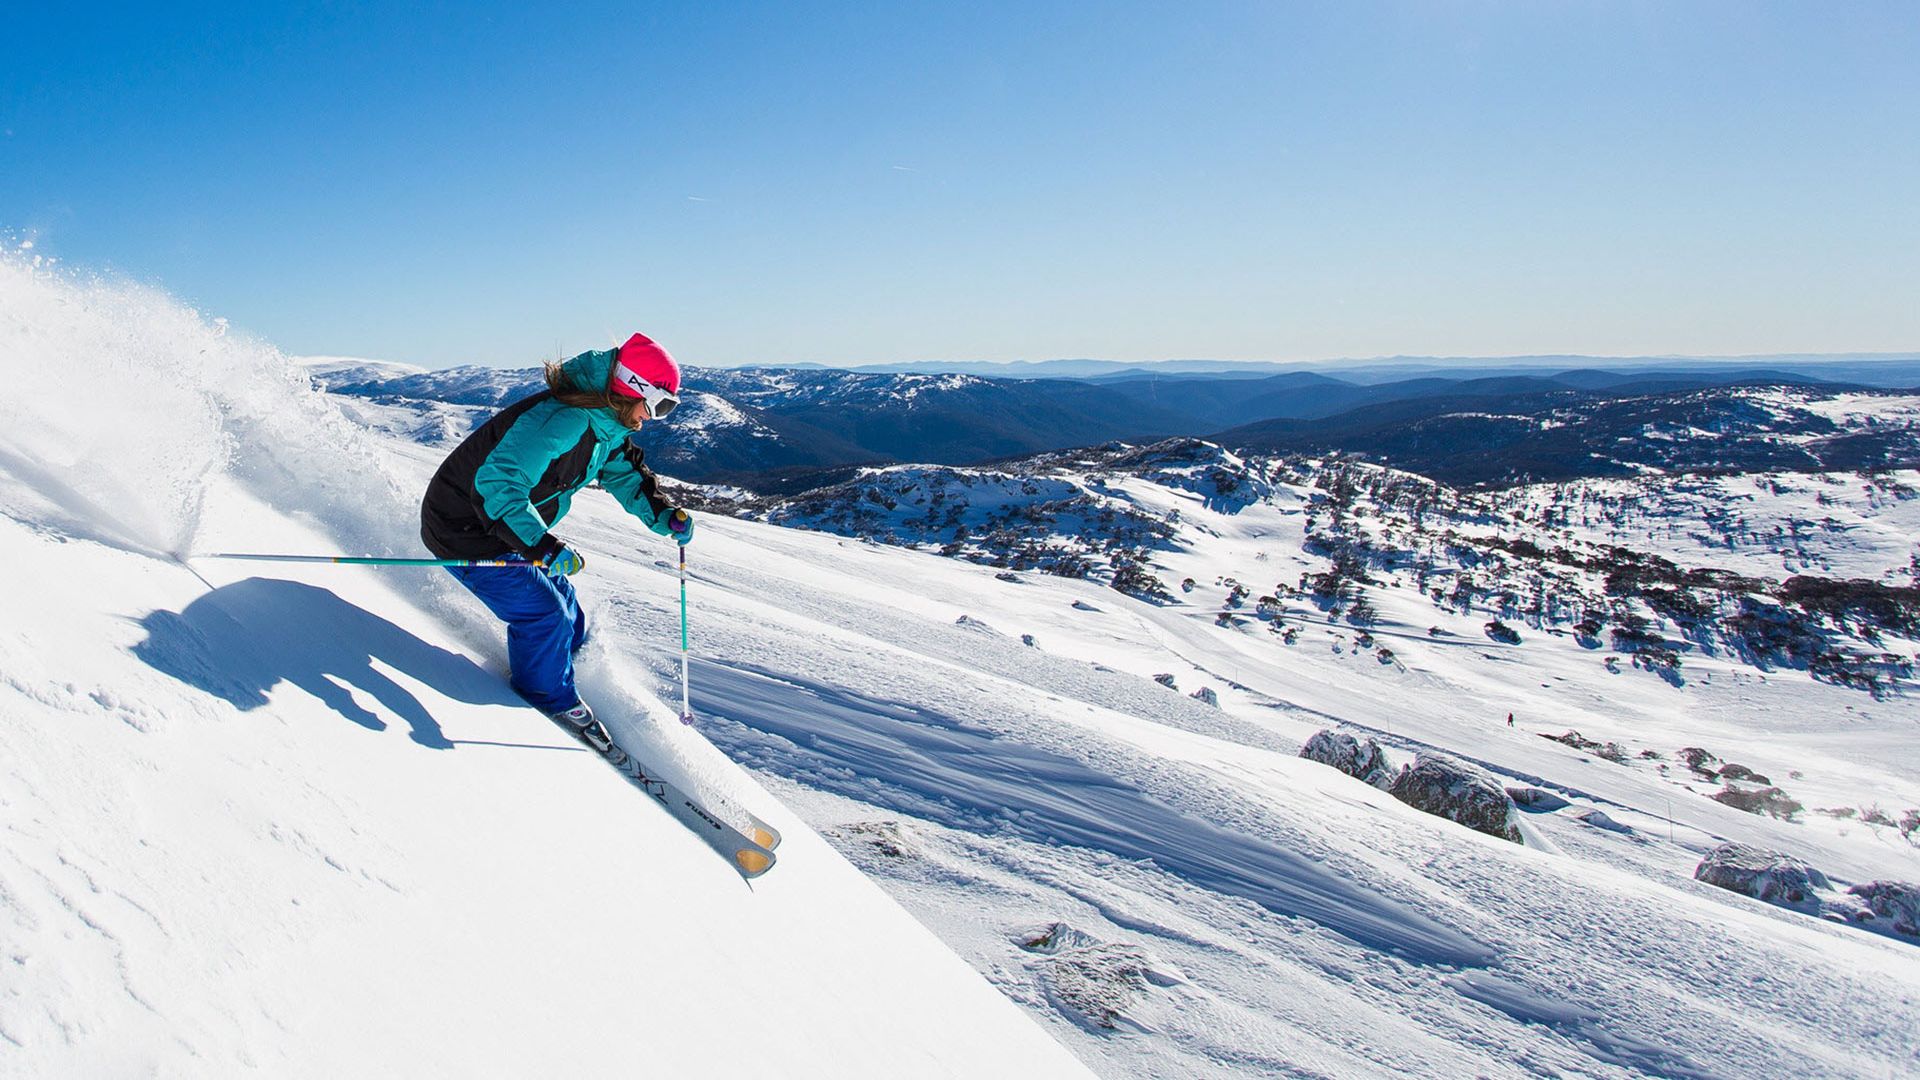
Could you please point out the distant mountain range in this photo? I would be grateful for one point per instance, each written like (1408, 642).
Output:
(1871, 369)
(785, 430)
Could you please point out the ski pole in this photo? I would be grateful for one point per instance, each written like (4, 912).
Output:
(362, 560)
(686, 711)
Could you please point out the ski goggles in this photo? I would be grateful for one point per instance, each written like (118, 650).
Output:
(659, 401)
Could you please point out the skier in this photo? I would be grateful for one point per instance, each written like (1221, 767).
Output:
(501, 491)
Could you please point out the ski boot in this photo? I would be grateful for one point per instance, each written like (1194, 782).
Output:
(581, 722)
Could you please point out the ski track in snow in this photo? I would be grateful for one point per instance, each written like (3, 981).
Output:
(903, 758)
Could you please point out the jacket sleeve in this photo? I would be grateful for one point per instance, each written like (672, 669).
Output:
(626, 475)
(503, 484)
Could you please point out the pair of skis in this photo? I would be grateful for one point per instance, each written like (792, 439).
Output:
(734, 831)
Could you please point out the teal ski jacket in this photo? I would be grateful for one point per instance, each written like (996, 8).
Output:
(502, 489)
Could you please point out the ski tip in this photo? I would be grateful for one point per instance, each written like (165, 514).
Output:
(753, 862)
(765, 837)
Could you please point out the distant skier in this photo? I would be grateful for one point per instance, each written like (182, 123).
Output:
(1509, 719)
(500, 491)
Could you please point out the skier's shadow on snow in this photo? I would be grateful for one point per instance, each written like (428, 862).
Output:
(240, 641)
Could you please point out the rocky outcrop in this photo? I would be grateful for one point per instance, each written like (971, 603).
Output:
(1761, 874)
(1458, 792)
(1897, 902)
(1360, 759)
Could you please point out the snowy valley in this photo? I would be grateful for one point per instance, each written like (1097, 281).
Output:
(1033, 731)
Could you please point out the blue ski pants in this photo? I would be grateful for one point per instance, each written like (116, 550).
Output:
(545, 627)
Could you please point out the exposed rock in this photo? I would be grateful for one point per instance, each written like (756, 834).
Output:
(1767, 800)
(1573, 739)
(1165, 679)
(1730, 771)
(1761, 874)
(1206, 695)
(1458, 792)
(1896, 901)
(1357, 758)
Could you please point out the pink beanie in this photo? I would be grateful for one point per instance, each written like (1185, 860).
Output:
(642, 360)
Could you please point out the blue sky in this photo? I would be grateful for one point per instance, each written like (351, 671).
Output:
(891, 182)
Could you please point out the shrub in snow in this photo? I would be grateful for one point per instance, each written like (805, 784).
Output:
(1896, 901)
(1054, 938)
(1207, 695)
(1360, 759)
(1095, 984)
(891, 839)
(1761, 874)
(1501, 632)
(1133, 578)
(1458, 792)
(1698, 760)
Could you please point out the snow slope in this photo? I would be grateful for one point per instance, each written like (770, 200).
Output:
(288, 822)
(1160, 882)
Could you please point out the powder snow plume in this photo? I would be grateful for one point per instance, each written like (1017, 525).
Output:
(126, 401)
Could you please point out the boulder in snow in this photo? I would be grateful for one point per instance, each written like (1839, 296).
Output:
(1357, 758)
(1896, 901)
(1766, 800)
(1206, 695)
(1731, 771)
(1458, 792)
(1760, 873)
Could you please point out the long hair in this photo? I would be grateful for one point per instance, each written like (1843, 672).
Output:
(628, 410)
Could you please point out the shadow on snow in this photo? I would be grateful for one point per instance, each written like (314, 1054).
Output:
(240, 641)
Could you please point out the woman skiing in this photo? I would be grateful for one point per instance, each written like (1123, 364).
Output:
(499, 492)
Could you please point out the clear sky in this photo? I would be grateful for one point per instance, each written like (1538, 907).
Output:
(906, 181)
